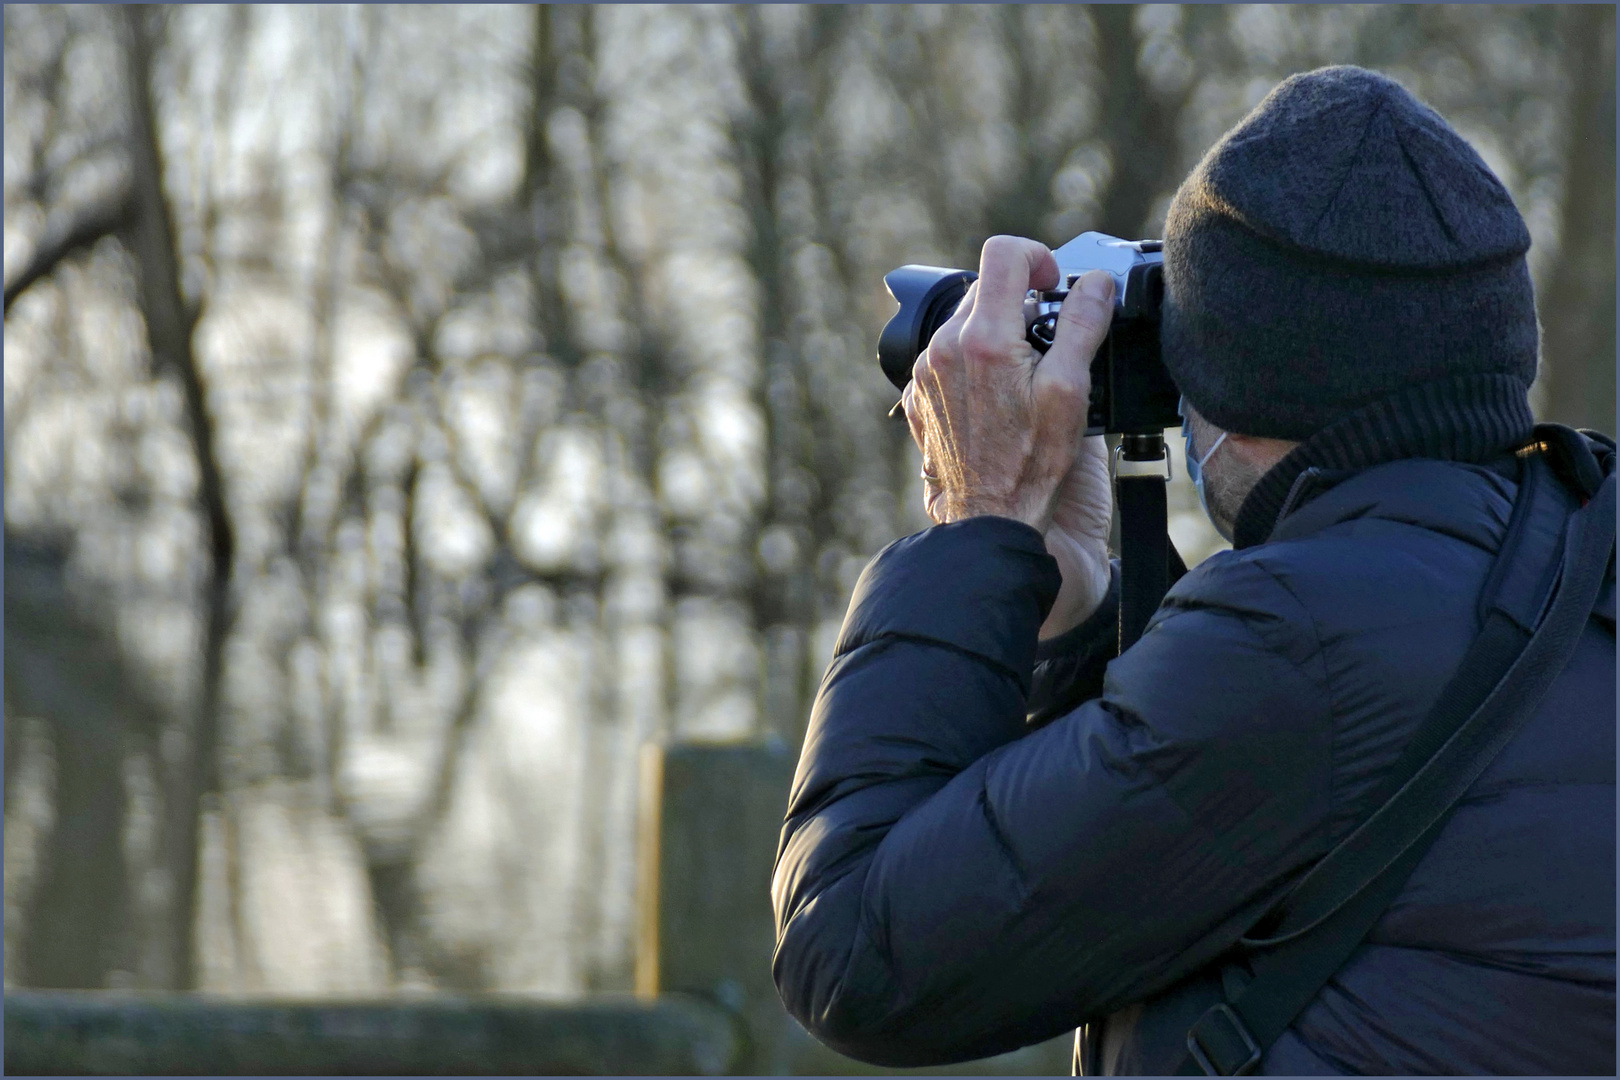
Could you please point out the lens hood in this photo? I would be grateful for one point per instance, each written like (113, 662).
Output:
(927, 296)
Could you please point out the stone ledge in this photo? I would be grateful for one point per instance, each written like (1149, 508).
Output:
(137, 1034)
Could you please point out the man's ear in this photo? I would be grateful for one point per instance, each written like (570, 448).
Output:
(1258, 450)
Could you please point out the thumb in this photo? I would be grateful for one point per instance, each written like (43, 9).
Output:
(1083, 322)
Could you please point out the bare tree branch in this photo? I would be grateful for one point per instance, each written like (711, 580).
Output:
(66, 236)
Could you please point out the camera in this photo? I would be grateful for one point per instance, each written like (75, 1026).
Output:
(1131, 392)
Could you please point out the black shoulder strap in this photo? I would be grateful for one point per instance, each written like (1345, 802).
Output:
(1537, 599)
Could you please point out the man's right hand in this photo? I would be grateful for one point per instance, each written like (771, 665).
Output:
(1001, 427)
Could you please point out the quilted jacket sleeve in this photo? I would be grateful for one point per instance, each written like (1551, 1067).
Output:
(951, 884)
(1069, 668)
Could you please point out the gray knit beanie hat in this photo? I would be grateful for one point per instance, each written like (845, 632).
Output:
(1340, 245)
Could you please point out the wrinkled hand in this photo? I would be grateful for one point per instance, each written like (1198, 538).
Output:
(1001, 428)
(1078, 537)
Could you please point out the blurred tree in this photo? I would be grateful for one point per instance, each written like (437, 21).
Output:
(1577, 295)
(171, 319)
(775, 142)
(62, 668)
(441, 402)
(1139, 124)
(134, 206)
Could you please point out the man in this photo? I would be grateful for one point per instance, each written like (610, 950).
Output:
(999, 832)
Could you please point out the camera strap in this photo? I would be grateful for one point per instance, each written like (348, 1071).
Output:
(1148, 563)
(1537, 598)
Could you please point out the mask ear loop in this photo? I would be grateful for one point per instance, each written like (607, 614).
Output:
(1197, 467)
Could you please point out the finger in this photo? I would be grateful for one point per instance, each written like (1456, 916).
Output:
(1009, 267)
(943, 356)
(933, 491)
(964, 306)
(1083, 322)
(922, 368)
(914, 420)
(945, 338)
(1095, 447)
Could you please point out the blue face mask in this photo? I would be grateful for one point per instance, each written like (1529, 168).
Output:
(1195, 464)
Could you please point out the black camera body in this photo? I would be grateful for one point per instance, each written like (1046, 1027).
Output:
(1131, 392)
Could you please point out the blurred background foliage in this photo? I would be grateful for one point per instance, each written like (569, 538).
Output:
(411, 411)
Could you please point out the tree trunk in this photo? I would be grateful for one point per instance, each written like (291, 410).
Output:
(1138, 126)
(779, 593)
(170, 321)
(1577, 301)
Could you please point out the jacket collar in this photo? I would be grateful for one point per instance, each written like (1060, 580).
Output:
(1465, 418)
(1469, 502)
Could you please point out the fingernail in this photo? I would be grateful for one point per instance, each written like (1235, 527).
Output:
(1097, 284)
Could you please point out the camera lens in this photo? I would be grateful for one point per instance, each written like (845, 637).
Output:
(928, 296)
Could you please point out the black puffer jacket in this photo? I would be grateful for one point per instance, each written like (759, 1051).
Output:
(952, 883)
